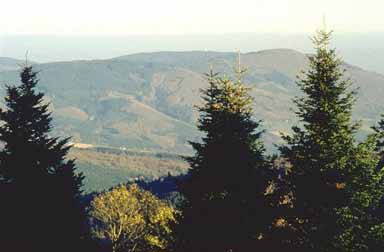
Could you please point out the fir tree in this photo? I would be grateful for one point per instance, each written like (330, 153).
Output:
(225, 206)
(362, 218)
(361, 221)
(320, 151)
(40, 189)
(379, 136)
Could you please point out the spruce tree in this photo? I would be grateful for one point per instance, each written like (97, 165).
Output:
(226, 207)
(361, 221)
(379, 136)
(40, 188)
(321, 148)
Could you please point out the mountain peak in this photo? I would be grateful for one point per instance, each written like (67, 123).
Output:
(157, 92)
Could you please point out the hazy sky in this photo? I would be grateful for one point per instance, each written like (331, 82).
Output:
(74, 17)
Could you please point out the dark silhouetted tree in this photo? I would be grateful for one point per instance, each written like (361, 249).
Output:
(320, 150)
(226, 205)
(40, 188)
(362, 218)
(379, 136)
(360, 221)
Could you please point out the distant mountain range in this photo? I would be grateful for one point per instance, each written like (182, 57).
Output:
(362, 49)
(9, 64)
(146, 101)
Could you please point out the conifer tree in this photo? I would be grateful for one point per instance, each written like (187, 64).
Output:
(40, 188)
(225, 206)
(321, 149)
(361, 221)
(379, 136)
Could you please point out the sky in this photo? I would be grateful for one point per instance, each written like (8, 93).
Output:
(128, 17)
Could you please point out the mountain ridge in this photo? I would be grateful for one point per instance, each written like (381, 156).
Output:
(90, 97)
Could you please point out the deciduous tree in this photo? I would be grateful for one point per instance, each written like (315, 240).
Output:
(132, 219)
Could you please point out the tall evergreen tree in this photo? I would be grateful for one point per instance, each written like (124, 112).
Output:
(361, 220)
(379, 136)
(40, 189)
(226, 204)
(320, 150)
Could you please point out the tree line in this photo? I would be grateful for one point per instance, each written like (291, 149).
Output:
(322, 192)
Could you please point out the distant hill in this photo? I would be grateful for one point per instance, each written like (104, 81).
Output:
(146, 101)
(107, 167)
(8, 64)
(363, 49)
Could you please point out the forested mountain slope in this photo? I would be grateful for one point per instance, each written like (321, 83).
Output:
(146, 101)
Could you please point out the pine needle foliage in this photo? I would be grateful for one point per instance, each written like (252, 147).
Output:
(226, 208)
(320, 150)
(39, 186)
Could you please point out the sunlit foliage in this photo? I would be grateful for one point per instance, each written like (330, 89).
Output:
(132, 219)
